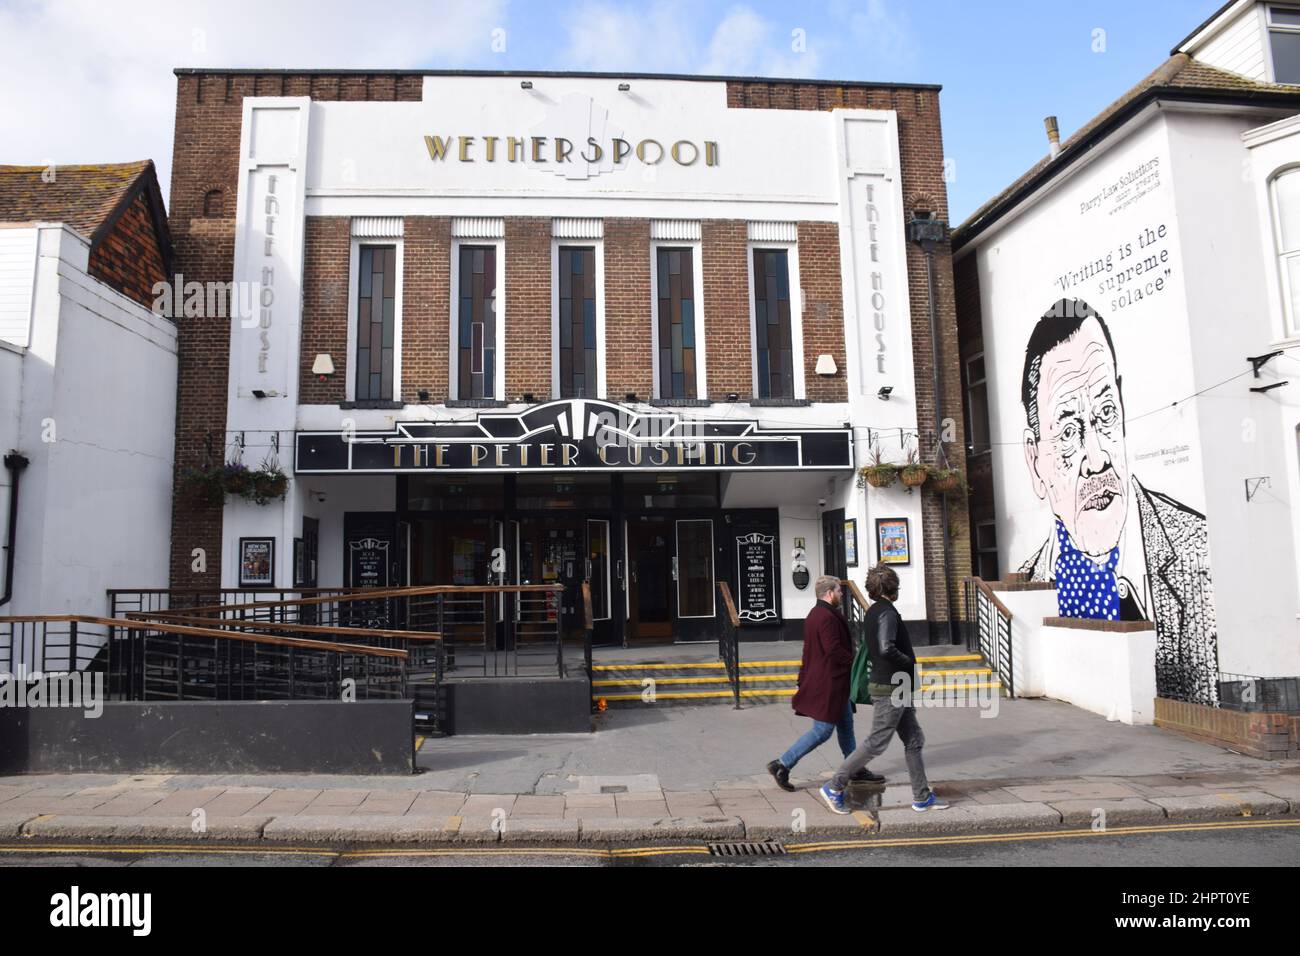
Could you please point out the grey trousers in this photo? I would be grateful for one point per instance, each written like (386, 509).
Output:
(887, 719)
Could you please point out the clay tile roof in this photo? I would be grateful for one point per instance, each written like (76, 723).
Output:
(83, 197)
(1180, 77)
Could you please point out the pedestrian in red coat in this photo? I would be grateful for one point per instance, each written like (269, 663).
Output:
(823, 692)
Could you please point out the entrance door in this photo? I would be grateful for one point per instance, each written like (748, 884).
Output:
(833, 556)
(650, 597)
(693, 578)
(552, 551)
(600, 579)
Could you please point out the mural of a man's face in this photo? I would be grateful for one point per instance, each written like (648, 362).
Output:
(1078, 461)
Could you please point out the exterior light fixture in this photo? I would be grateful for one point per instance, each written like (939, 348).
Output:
(733, 397)
(265, 393)
(826, 365)
(323, 366)
(885, 392)
(525, 84)
(624, 87)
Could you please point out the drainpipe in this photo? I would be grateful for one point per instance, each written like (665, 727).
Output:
(15, 463)
(927, 232)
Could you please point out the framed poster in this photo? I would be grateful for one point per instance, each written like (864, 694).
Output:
(894, 545)
(256, 562)
(851, 542)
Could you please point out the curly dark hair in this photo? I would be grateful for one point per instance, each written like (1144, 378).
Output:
(882, 582)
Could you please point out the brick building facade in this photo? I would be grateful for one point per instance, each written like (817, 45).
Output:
(719, 200)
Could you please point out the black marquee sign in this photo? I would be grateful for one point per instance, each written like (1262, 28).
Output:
(574, 435)
(756, 575)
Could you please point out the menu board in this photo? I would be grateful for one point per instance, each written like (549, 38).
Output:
(368, 563)
(756, 576)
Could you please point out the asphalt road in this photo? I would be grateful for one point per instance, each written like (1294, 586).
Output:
(1191, 845)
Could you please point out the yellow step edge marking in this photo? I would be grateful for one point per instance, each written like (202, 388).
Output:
(660, 681)
(702, 695)
(954, 657)
(960, 671)
(719, 665)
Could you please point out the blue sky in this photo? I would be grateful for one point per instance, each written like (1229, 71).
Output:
(97, 84)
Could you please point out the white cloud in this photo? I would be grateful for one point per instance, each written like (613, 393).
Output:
(672, 36)
(87, 81)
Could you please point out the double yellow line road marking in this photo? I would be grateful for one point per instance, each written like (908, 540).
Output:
(615, 853)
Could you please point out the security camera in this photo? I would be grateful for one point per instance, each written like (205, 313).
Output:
(821, 502)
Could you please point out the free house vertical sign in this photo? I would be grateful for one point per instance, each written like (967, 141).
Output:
(268, 260)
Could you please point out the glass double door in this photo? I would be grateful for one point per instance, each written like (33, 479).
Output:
(670, 581)
(571, 550)
(652, 578)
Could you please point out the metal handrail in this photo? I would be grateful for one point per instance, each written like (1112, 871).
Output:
(729, 641)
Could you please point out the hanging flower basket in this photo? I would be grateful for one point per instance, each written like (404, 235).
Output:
(878, 476)
(946, 480)
(914, 475)
(269, 483)
(205, 486)
(211, 485)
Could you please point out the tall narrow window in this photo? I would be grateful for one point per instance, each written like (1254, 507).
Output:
(1284, 43)
(476, 332)
(376, 319)
(773, 339)
(676, 324)
(1286, 230)
(977, 406)
(577, 321)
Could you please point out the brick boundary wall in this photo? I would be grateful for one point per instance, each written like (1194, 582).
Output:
(920, 144)
(1269, 736)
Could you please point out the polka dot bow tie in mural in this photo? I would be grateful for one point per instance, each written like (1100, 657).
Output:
(1083, 587)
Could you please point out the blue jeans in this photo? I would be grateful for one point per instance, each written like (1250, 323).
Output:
(820, 733)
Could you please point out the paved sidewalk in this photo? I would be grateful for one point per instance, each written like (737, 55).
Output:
(681, 774)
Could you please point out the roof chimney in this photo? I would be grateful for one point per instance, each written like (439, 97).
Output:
(1053, 136)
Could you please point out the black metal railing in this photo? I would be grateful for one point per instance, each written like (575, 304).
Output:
(729, 640)
(854, 604)
(1271, 695)
(150, 660)
(485, 630)
(988, 631)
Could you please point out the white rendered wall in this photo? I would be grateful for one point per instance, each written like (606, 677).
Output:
(1244, 435)
(98, 425)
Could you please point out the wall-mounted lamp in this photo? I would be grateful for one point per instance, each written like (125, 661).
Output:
(826, 365)
(265, 393)
(323, 366)
(885, 392)
(733, 397)
(525, 84)
(624, 87)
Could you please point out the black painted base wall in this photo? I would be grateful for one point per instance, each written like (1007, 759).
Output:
(297, 736)
(518, 705)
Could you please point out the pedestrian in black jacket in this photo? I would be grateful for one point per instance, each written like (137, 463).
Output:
(893, 666)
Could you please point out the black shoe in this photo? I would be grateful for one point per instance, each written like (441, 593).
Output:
(781, 774)
(866, 776)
